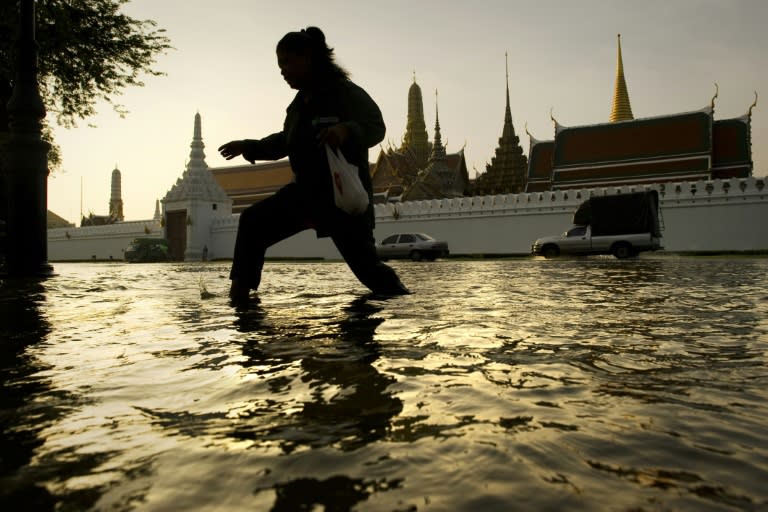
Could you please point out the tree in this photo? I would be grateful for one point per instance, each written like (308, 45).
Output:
(88, 52)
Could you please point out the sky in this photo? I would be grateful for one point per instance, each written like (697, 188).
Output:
(562, 59)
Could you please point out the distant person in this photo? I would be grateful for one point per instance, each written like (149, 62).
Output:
(327, 109)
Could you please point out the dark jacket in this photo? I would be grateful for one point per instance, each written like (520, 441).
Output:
(340, 101)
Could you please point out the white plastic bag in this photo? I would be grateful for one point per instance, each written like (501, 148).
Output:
(348, 191)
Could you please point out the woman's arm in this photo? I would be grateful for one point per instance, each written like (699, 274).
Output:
(271, 147)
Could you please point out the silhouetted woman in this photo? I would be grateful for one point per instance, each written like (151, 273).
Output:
(327, 109)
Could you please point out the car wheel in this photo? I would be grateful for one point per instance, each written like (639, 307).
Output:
(550, 251)
(622, 251)
(416, 255)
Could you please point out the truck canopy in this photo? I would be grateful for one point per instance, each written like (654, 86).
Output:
(637, 212)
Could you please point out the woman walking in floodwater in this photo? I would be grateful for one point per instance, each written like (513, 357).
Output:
(327, 109)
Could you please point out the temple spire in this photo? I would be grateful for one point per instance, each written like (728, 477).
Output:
(196, 181)
(508, 131)
(506, 172)
(438, 151)
(116, 197)
(621, 110)
(416, 139)
(506, 70)
(196, 153)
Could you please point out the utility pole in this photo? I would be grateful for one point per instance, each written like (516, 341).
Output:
(25, 165)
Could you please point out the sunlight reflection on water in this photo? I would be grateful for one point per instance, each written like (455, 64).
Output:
(587, 384)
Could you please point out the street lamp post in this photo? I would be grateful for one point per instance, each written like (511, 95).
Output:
(26, 161)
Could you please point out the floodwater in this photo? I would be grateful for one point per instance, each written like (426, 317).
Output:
(522, 384)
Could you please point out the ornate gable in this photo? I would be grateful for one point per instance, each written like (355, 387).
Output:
(731, 148)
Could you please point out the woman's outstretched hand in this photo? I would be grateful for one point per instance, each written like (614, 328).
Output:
(232, 149)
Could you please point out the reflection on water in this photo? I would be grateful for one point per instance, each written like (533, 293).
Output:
(585, 384)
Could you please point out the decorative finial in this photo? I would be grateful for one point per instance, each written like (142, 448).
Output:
(551, 116)
(754, 104)
(506, 63)
(717, 91)
(414, 75)
(526, 129)
(621, 109)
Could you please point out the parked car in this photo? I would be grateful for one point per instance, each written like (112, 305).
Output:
(416, 246)
(147, 250)
(623, 225)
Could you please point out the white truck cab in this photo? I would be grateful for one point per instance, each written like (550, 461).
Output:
(623, 225)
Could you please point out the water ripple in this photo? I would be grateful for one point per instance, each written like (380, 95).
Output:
(582, 384)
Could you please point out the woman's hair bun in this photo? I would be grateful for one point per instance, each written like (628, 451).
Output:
(315, 33)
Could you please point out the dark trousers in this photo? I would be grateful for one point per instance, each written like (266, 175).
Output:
(286, 213)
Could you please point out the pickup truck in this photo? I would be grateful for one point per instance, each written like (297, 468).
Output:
(579, 240)
(622, 225)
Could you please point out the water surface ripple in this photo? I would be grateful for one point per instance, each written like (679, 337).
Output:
(522, 384)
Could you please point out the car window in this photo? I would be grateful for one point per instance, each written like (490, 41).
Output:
(390, 239)
(577, 231)
(407, 239)
(422, 236)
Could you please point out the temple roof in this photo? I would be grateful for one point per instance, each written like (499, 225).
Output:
(676, 147)
(679, 134)
(55, 221)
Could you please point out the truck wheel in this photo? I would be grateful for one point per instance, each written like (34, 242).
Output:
(416, 256)
(550, 251)
(622, 251)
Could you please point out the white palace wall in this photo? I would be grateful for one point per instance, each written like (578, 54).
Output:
(702, 216)
(98, 242)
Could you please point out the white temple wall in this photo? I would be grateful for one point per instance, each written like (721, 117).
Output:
(736, 224)
(478, 234)
(719, 215)
(98, 242)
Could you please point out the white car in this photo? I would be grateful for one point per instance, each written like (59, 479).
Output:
(416, 246)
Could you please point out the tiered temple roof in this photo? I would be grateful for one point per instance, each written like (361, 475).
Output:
(666, 148)
(506, 174)
(625, 151)
(418, 164)
(438, 179)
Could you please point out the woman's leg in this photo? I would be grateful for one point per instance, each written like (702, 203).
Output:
(262, 225)
(357, 246)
